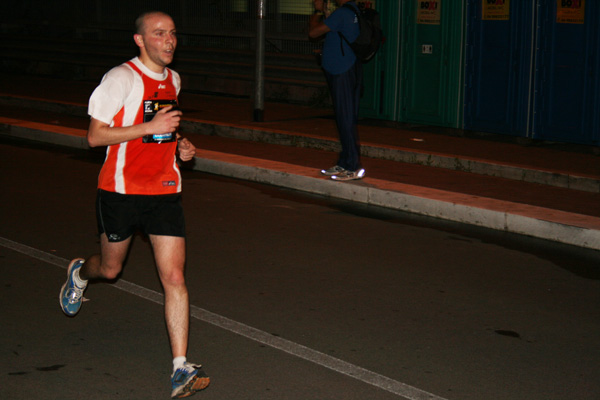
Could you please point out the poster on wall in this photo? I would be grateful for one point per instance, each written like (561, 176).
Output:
(428, 12)
(495, 10)
(570, 11)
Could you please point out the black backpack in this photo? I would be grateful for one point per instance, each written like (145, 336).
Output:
(371, 36)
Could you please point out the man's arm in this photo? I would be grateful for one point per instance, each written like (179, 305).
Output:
(317, 27)
(102, 134)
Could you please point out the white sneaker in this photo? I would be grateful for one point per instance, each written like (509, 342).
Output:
(349, 175)
(333, 171)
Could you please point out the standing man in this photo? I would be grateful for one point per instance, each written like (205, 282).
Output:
(139, 188)
(344, 77)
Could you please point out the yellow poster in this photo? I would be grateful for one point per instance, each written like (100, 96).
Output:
(495, 10)
(570, 11)
(428, 12)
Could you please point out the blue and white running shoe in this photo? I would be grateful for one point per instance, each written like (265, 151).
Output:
(188, 380)
(71, 295)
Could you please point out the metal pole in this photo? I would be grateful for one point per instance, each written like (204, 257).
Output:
(259, 80)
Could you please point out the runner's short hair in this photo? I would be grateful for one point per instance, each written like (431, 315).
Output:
(140, 21)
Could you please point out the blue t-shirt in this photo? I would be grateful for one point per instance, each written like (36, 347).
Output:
(345, 21)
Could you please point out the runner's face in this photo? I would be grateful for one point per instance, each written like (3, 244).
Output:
(158, 42)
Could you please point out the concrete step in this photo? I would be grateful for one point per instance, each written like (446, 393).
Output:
(451, 161)
(568, 227)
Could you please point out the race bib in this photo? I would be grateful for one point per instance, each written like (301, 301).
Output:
(151, 107)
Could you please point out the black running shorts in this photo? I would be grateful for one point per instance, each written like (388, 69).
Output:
(122, 215)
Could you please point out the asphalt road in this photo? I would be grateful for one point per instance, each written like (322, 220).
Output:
(293, 297)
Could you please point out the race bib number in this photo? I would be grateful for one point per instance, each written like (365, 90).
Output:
(151, 107)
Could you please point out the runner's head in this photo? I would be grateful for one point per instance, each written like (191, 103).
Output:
(156, 37)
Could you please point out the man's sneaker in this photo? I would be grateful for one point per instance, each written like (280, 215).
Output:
(333, 171)
(188, 380)
(349, 175)
(71, 295)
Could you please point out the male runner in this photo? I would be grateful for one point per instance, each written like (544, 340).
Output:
(139, 188)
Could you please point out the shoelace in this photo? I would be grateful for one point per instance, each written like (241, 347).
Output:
(74, 294)
(188, 367)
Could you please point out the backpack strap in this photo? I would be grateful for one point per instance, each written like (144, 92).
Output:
(355, 10)
(342, 43)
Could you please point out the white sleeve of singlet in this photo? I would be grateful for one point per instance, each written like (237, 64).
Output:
(176, 81)
(109, 97)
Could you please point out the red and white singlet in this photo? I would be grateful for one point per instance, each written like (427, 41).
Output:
(122, 99)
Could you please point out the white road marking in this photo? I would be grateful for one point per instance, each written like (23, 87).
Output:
(298, 350)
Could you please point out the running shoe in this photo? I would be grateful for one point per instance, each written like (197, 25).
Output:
(349, 175)
(333, 171)
(71, 295)
(188, 380)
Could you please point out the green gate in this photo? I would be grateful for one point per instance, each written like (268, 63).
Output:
(381, 75)
(432, 65)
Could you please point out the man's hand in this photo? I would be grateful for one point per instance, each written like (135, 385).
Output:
(319, 5)
(316, 27)
(186, 149)
(102, 134)
(166, 120)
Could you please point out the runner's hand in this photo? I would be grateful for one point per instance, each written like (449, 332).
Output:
(186, 149)
(166, 120)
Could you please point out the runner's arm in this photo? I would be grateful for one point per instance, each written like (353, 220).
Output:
(102, 134)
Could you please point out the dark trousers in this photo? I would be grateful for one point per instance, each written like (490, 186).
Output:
(345, 92)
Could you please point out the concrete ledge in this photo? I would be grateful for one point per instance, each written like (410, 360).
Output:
(407, 155)
(44, 133)
(558, 226)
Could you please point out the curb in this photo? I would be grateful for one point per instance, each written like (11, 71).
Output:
(568, 228)
(410, 156)
(406, 155)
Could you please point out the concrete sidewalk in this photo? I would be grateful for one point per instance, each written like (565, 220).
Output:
(548, 191)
